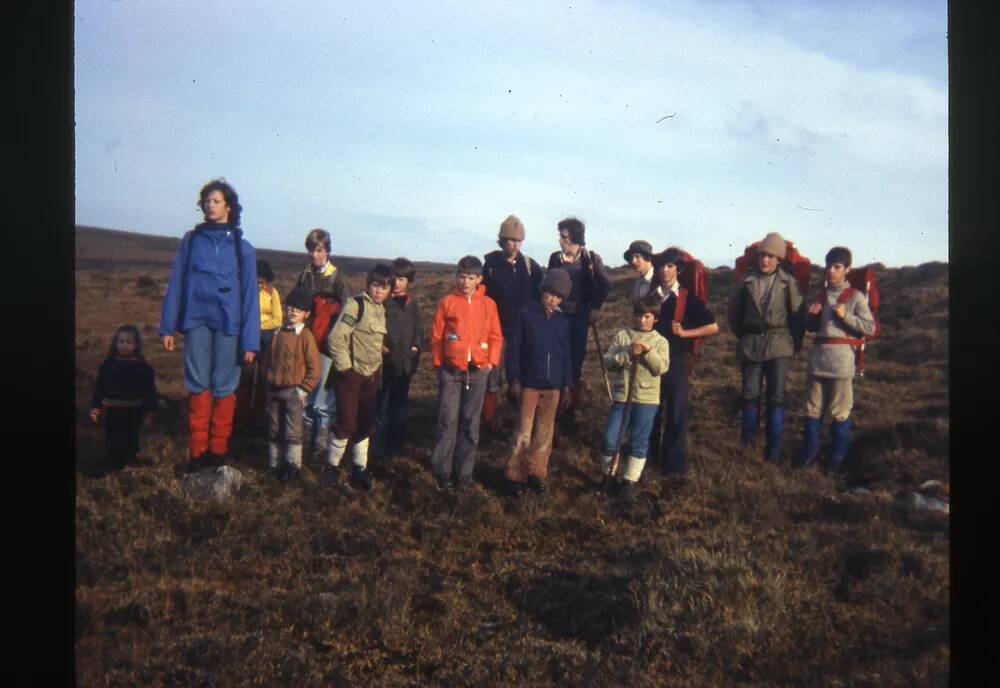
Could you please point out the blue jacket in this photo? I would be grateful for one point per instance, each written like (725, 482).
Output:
(538, 349)
(511, 286)
(207, 290)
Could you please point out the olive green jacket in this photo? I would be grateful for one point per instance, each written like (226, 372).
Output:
(652, 364)
(772, 334)
(358, 344)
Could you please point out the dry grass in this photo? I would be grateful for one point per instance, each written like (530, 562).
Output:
(749, 574)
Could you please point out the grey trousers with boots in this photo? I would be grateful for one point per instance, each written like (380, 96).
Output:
(460, 401)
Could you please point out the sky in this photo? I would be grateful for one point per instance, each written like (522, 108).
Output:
(414, 129)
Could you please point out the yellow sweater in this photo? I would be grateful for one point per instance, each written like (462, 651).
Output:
(270, 309)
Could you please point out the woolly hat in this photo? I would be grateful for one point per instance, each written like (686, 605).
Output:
(299, 298)
(512, 228)
(774, 244)
(643, 248)
(557, 282)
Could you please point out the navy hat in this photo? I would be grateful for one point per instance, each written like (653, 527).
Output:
(299, 298)
(557, 281)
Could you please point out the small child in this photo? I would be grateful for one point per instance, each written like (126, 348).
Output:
(465, 345)
(400, 358)
(540, 374)
(355, 343)
(251, 395)
(125, 390)
(836, 318)
(646, 352)
(291, 367)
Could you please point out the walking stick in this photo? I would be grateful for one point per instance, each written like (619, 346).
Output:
(616, 460)
(600, 357)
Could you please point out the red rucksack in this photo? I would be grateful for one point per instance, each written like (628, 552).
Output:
(859, 279)
(324, 315)
(692, 280)
(794, 262)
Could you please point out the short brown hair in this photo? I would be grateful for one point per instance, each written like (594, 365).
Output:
(650, 303)
(317, 237)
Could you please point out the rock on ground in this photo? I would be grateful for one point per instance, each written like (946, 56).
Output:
(214, 483)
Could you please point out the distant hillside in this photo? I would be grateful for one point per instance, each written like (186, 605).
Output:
(110, 249)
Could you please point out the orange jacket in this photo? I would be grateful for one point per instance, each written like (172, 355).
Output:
(466, 328)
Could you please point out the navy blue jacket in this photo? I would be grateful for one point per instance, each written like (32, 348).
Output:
(538, 349)
(511, 286)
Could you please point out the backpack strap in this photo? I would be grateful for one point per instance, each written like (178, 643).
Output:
(681, 304)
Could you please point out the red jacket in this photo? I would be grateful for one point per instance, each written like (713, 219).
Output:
(466, 328)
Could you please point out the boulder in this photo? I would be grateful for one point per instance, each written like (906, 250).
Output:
(918, 502)
(213, 483)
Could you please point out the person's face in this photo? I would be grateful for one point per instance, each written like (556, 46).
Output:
(400, 285)
(319, 255)
(125, 344)
(837, 272)
(215, 207)
(510, 247)
(550, 301)
(379, 291)
(668, 274)
(566, 243)
(639, 263)
(645, 322)
(294, 315)
(467, 282)
(262, 283)
(767, 262)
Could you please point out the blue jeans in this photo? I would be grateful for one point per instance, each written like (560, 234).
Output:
(211, 361)
(391, 412)
(640, 427)
(321, 404)
(457, 435)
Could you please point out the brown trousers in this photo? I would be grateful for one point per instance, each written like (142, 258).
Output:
(356, 397)
(530, 455)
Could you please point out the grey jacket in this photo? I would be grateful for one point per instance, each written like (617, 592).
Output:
(837, 360)
(772, 334)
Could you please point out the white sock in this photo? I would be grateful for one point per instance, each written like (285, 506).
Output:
(273, 454)
(634, 468)
(359, 453)
(606, 460)
(294, 455)
(335, 449)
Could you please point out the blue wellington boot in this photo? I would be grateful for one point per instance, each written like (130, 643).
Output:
(774, 429)
(810, 441)
(839, 442)
(748, 425)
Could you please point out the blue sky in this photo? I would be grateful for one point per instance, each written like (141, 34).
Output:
(414, 129)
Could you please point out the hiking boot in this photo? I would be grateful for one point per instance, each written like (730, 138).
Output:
(274, 472)
(536, 484)
(288, 473)
(360, 477)
(213, 460)
(626, 492)
(463, 483)
(516, 488)
(443, 483)
(330, 475)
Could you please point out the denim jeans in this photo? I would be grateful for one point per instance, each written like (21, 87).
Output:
(211, 361)
(640, 427)
(460, 401)
(321, 404)
(774, 372)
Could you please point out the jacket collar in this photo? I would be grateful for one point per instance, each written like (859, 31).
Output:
(480, 290)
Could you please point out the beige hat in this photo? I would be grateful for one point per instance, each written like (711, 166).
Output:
(774, 244)
(512, 228)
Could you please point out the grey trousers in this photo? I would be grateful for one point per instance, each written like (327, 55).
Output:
(284, 407)
(460, 401)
